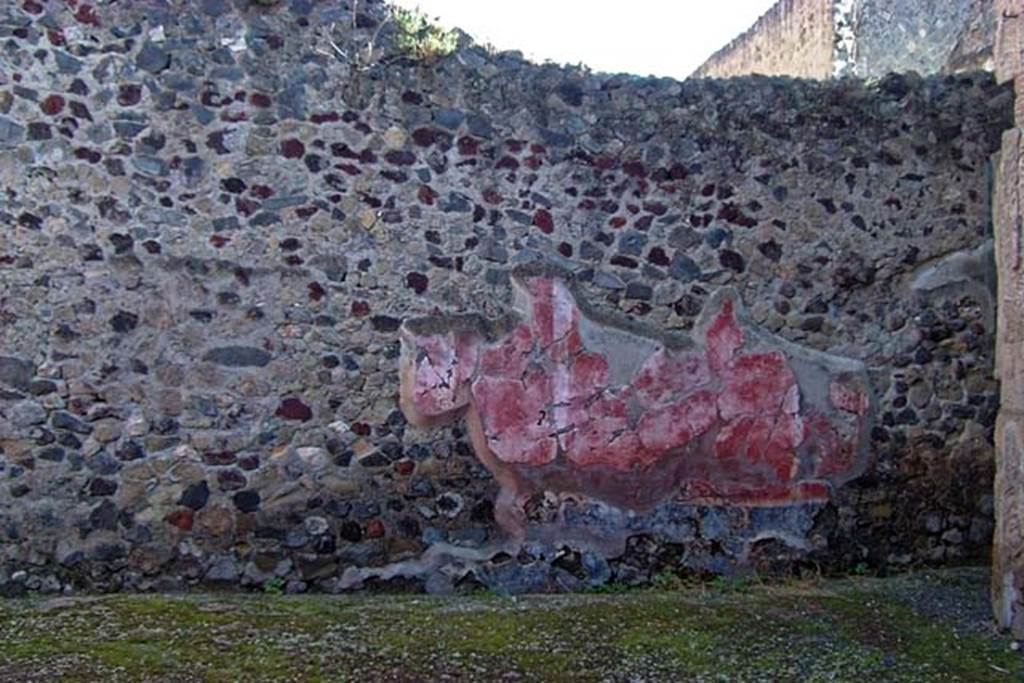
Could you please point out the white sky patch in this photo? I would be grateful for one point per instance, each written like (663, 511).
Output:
(643, 37)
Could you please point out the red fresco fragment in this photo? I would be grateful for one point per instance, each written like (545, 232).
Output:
(726, 421)
(763, 439)
(509, 358)
(757, 384)
(674, 424)
(445, 364)
(835, 455)
(845, 398)
(664, 376)
(518, 425)
(723, 338)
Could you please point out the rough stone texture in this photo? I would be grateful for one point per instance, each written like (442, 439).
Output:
(1008, 553)
(862, 38)
(974, 47)
(206, 266)
(793, 38)
(913, 35)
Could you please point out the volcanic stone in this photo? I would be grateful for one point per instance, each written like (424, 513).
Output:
(152, 58)
(238, 356)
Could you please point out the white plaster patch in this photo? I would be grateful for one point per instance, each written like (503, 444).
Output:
(235, 44)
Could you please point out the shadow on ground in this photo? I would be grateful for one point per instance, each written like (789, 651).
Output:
(930, 626)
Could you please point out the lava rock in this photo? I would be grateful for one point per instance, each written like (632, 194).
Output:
(247, 501)
(152, 58)
(16, 372)
(294, 409)
(195, 496)
(238, 357)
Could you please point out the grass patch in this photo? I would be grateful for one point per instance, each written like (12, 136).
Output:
(856, 629)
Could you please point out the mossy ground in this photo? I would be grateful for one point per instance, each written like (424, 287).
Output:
(921, 627)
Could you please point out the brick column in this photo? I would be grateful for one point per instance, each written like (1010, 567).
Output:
(1008, 550)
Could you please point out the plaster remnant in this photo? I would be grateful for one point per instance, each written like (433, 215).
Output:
(723, 418)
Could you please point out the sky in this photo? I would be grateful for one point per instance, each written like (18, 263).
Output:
(643, 37)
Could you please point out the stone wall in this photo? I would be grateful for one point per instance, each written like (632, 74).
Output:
(911, 35)
(232, 235)
(1008, 555)
(793, 38)
(862, 38)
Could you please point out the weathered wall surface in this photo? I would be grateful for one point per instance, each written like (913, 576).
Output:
(861, 38)
(910, 35)
(215, 227)
(1008, 554)
(974, 47)
(793, 38)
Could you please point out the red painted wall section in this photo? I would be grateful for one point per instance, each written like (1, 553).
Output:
(727, 416)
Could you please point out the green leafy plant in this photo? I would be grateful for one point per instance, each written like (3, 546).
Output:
(610, 588)
(274, 586)
(487, 593)
(735, 584)
(420, 38)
